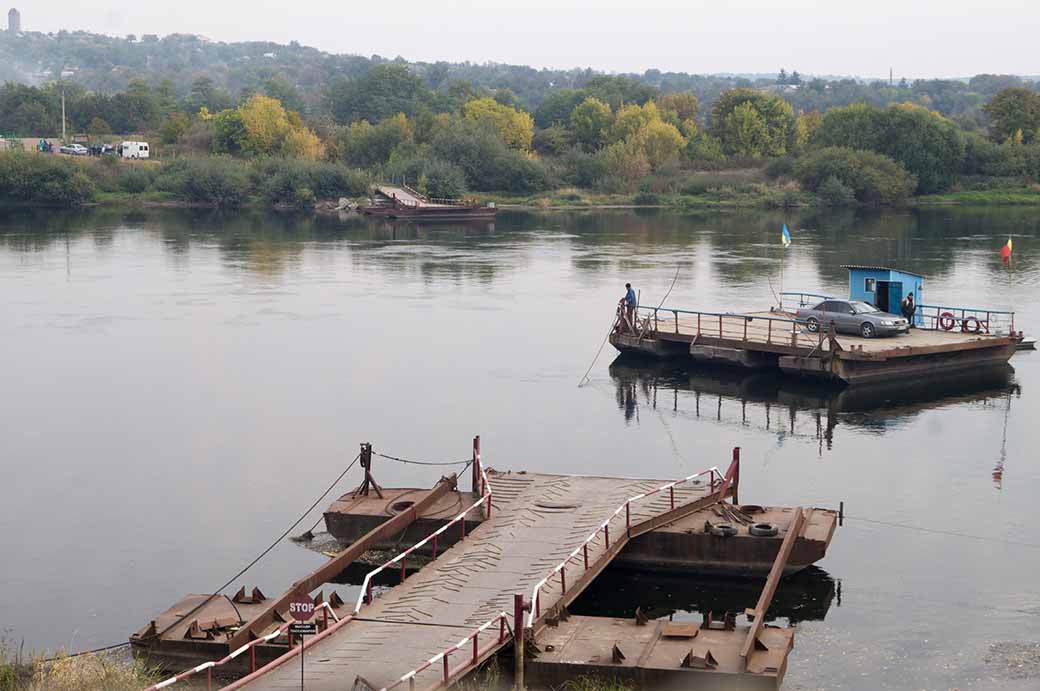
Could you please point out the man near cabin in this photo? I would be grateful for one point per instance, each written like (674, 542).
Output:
(630, 302)
(908, 308)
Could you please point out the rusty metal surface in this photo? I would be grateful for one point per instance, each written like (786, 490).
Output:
(334, 566)
(537, 521)
(661, 655)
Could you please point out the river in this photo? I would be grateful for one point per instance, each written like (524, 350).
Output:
(177, 386)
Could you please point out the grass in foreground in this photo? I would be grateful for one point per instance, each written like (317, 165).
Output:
(114, 671)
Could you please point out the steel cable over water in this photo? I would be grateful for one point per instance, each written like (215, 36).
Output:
(263, 554)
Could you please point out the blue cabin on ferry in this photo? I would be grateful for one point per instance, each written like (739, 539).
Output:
(883, 287)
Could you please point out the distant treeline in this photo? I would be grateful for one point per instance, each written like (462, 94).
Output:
(450, 129)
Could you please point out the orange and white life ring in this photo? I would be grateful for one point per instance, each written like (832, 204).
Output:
(946, 321)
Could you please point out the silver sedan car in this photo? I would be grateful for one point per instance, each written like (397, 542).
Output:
(853, 317)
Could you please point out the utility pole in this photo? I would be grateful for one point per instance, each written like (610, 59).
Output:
(63, 140)
(889, 76)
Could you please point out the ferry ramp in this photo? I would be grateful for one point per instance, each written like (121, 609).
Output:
(547, 537)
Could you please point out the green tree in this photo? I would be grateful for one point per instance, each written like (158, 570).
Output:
(266, 123)
(384, 91)
(98, 127)
(744, 132)
(631, 119)
(363, 144)
(685, 105)
(873, 178)
(174, 127)
(556, 107)
(590, 122)
(929, 146)
(514, 127)
(1012, 111)
(661, 142)
(766, 133)
(229, 132)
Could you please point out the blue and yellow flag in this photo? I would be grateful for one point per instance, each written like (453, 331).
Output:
(785, 236)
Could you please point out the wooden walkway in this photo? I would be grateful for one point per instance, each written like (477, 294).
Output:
(537, 522)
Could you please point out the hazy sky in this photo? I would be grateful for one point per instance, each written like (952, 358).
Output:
(915, 37)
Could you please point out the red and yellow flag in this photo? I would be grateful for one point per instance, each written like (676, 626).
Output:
(1005, 251)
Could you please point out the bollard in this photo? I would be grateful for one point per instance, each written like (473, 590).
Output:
(518, 640)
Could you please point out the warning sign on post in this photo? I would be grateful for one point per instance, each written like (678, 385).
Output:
(301, 608)
(301, 629)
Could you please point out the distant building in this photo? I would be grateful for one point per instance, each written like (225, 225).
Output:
(14, 21)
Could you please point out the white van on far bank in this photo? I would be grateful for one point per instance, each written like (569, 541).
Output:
(133, 150)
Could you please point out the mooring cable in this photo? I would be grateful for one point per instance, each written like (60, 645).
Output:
(581, 382)
(411, 462)
(251, 564)
(936, 531)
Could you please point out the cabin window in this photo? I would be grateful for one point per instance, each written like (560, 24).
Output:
(869, 285)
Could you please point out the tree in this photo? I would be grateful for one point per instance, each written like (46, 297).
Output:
(685, 105)
(229, 132)
(363, 144)
(625, 162)
(382, 92)
(928, 145)
(266, 124)
(302, 143)
(661, 142)
(745, 132)
(805, 127)
(1013, 110)
(98, 127)
(279, 88)
(514, 127)
(764, 134)
(556, 107)
(782, 77)
(631, 119)
(795, 78)
(174, 127)
(873, 178)
(591, 121)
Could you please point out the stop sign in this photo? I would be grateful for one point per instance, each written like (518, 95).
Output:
(301, 608)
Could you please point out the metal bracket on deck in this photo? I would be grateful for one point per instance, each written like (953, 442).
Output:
(694, 661)
(616, 655)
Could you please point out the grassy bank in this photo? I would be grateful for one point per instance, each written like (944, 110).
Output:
(225, 182)
(114, 671)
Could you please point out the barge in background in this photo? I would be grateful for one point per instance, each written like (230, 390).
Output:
(405, 203)
(945, 340)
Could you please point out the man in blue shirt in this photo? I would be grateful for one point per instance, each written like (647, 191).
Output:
(631, 303)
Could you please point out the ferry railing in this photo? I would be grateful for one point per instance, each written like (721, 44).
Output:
(365, 596)
(249, 647)
(582, 550)
(730, 326)
(471, 642)
(806, 299)
(966, 319)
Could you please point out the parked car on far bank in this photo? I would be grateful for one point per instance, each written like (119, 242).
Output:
(74, 149)
(853, 317)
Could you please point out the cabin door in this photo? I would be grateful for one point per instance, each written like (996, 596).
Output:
(881, 296)
(895, 297)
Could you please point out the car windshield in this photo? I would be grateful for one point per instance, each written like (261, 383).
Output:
(863, 308)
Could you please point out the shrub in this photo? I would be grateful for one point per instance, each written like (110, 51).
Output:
(43, 179)
(300, 182)
(218, 180)
(486, 161)
(135, 179)
(833, 192)
(646, 199)
(873, 178)
(782, 167)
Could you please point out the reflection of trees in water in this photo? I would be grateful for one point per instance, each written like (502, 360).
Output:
(739, 246)
(789, 407)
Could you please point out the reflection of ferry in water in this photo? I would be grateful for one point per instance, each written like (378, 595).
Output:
(790, 406)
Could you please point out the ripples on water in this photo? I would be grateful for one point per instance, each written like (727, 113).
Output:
(176, 385)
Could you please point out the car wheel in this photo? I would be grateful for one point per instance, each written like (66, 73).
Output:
(867, 330)
(813, 324)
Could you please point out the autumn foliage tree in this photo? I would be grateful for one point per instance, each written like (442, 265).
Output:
(514, 127)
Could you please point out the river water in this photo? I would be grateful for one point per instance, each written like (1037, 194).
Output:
(176, 387)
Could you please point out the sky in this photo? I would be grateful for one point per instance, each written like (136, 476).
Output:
(916, 38)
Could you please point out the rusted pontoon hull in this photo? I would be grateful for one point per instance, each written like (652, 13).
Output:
(886, 360)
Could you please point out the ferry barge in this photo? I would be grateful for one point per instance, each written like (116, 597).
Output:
(945, 340)
(405, 203)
